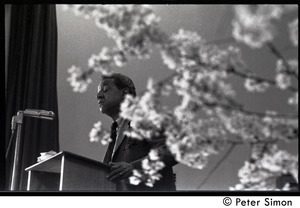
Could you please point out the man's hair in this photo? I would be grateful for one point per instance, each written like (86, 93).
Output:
(121, 81)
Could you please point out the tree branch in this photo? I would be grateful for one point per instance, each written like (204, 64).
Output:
(240, 108)
(217, 165)
(261, 114)
(257, 78)
(270, 141)
(221, 41)
(245, 75)
(233, 104)
(276, 52)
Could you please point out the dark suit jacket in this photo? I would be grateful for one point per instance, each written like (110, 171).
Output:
(134, 151)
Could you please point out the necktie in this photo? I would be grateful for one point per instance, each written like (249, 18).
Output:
(113, 136)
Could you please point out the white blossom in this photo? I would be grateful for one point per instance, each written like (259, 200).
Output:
(153, 155)
(251, 28)
(101, 62)
(97, 134)
(294, 100)
(129, 26)
(95, 131)
(119, 59)
(181, 48)
(293, 65)
(192, 142)
(252, 85)
(283, 81)
(261, 174)
(280, 67)
(283, 77)
(186, 49)
(135, 179)
(253, 128)
(146, 119)
(293, 26)
(77, 80)
(203, 87)
(168, 60)
(149, 174)
(253, 24)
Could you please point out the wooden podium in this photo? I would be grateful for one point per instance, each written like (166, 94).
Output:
(66, 171)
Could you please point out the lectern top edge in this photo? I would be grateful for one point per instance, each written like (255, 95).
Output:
(67, 154)
(44, 161)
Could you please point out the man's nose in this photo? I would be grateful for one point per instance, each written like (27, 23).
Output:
(99, 95)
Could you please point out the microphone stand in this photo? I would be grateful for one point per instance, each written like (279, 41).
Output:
(16, 165)
(18, 121)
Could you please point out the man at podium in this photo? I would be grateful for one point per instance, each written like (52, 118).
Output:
(124, 154)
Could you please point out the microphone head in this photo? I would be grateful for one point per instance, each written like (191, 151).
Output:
(47, 113)
(52, 114)
(39, 114)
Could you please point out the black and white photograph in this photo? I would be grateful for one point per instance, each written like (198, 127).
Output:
(148, 98)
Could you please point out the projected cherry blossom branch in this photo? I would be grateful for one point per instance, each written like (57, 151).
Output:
(208, 114)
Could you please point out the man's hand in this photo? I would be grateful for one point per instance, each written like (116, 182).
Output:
(119, 171)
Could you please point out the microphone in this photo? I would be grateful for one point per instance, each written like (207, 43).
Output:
(39, 114)
(13, 123)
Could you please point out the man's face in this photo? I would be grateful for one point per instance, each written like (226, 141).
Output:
(109, 97)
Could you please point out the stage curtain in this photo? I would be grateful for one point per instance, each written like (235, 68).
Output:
(32, 83)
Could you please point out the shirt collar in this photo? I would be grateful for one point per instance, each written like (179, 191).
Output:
(119, 121)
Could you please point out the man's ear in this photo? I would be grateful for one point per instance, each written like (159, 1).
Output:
(125, 91)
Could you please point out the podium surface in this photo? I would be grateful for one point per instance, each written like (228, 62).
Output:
(70, 172)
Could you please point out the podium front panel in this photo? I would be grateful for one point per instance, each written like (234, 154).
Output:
(80, 175)
(43, 181)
